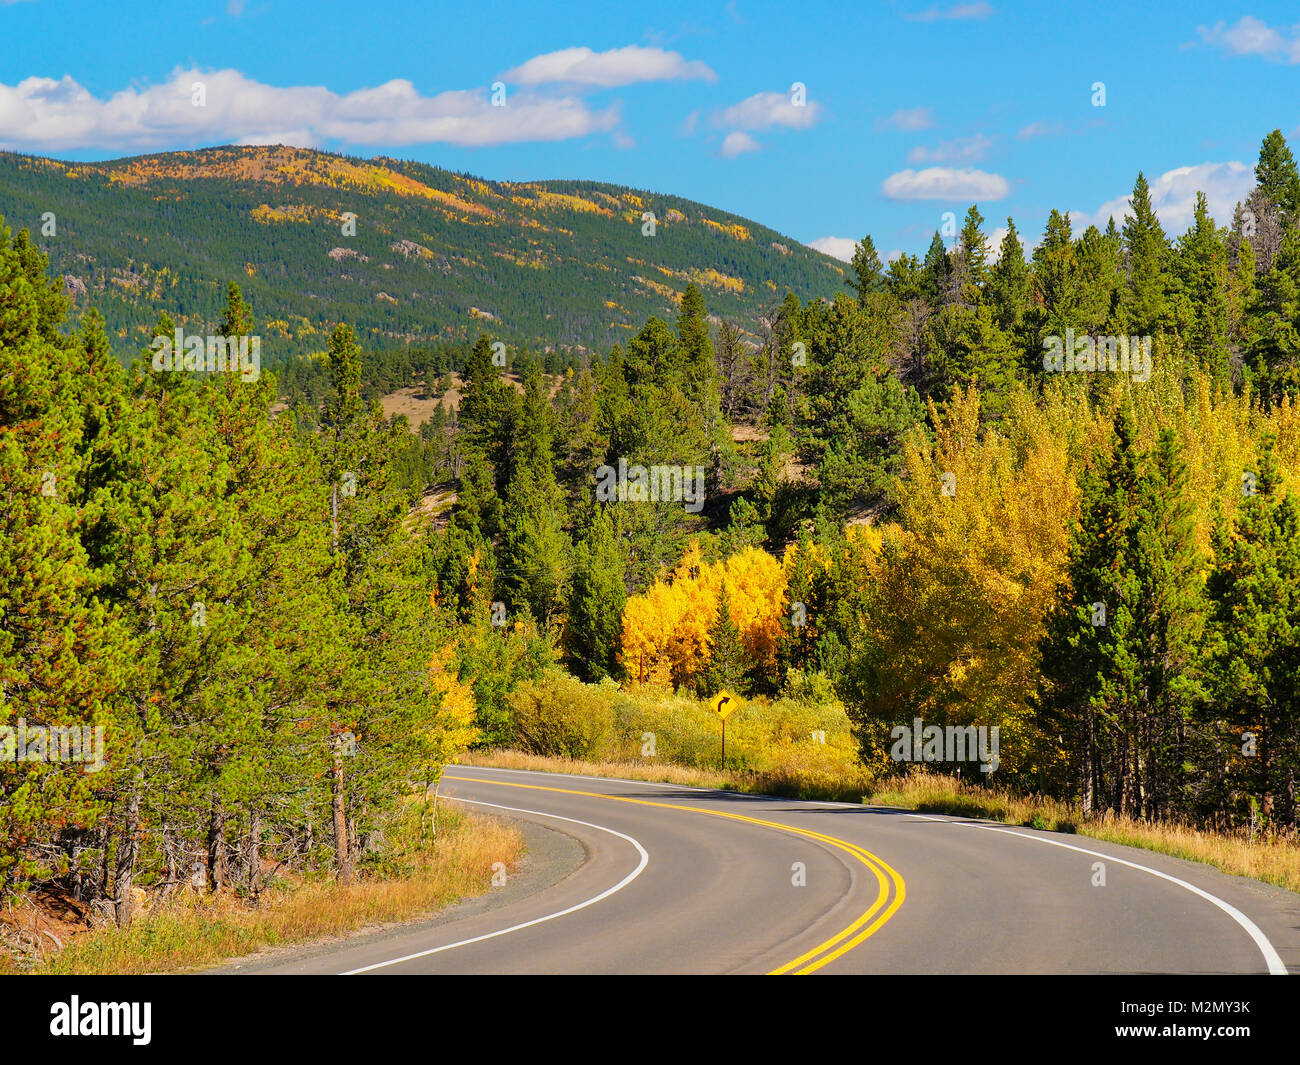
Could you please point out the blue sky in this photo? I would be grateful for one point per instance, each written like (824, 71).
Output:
(909, 110)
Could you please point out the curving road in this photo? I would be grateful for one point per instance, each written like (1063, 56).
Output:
(628, 877)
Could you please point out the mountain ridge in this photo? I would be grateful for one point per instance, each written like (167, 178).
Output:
(434, 256)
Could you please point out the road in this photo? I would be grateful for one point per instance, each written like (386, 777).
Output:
(628, 877)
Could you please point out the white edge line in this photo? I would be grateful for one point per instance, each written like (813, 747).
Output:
(1271, 956)
(645, 859)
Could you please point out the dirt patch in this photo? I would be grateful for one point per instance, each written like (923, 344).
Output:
(416, 402)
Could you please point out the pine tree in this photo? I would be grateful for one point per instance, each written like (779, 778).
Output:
(1056, 280)
(973, 254)
(596, 599)
(1277, 177)
(696, 344)
(1254, 593)
(1276, 323)
(1147, 253)
(534, 548)
(1007, 292)
(1201, 266)
(868, 274)
(1170, 621)
(1090, 654)
(935, 279)
(727, 663)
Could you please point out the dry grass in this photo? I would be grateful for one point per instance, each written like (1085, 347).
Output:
(1275, 861)
(196, 931)
(786, 781)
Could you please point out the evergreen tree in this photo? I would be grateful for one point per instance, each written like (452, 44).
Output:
(1007, 292)
(1090, 655)
(868, 274)
(1202, 270)
(1254, 593)
(1276, 176)
(727, 662)
(935, 279)
(1146, 253)
(596, 600)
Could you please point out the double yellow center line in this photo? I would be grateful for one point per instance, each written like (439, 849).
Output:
(872, 920)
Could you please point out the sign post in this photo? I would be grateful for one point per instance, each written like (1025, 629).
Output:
(723, 704)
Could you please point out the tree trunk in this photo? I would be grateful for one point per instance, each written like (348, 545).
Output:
(343, 857)
(254, 851)
(126, 857)
(216, 848)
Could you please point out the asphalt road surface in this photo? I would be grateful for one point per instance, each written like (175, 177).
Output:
(628, 877)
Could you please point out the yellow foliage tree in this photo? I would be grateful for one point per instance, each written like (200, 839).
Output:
(666, 629)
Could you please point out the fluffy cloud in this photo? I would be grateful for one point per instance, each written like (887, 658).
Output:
(909, 119)
(618, 66)
(837, 247)
(42, 114)
(1250, 36)
(1173, 195)
(945, 183)
(737, 143)
(766, 109)
(957, 11)
(961, 150)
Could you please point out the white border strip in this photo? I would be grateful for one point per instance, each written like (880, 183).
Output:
(645, 860)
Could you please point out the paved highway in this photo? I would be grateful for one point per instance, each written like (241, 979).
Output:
(628, 877)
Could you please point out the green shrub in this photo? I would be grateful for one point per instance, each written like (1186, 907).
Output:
(560, 716)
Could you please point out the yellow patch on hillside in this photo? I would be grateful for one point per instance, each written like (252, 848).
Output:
(533, 260)
(292, 212)
(663, 290)
(711, 278)
(545, 200)
(735, 230)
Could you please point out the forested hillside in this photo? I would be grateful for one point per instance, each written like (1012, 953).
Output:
(908, 508)
(406, 253)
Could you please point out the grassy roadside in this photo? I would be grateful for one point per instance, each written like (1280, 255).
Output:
(789, 783)
(197, 931)
(1272, 861)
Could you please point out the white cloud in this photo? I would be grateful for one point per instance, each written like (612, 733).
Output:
(1041, 129)
(766, 109)
(738, 143)
(1173, 195)
(957, 11)
(43, 114)
(1250, 36)
(909, 119)
(961, 150)
(838, 247)
(618, 66)
(945, 183)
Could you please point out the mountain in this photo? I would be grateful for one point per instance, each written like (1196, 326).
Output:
(436, 256)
